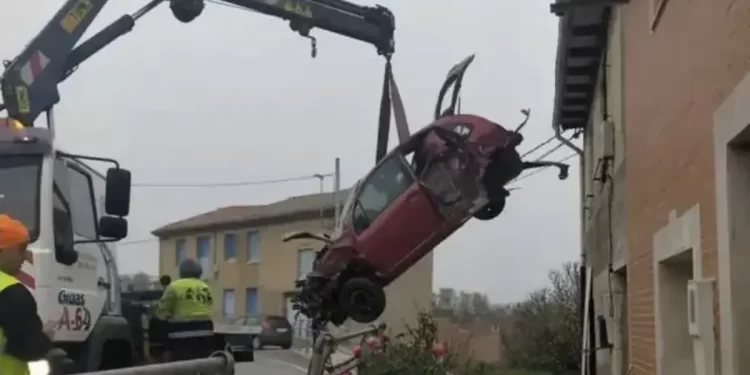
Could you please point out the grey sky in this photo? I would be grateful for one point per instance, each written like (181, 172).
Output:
(235, 96)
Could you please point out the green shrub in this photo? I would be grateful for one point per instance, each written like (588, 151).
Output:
(411, 353)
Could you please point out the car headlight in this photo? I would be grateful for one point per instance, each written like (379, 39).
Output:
(39, 368)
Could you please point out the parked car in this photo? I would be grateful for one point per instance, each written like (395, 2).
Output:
(416, 196)
(274, 330)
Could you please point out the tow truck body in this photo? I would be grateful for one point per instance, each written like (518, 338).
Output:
(74, 213)
(70, 269)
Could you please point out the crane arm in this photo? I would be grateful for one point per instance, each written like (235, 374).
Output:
(29, 82)
(374, 25)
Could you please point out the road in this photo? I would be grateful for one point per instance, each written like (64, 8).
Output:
(274, 362)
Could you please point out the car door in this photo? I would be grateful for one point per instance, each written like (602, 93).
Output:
(453, 178)
(393, 216)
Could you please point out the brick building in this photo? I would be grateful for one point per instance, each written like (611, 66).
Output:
(661, 91)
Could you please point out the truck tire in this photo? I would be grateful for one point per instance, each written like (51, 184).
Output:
(362, 299)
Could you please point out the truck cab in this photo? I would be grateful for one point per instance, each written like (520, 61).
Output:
(74, 215)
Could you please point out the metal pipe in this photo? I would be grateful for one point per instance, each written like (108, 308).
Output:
(219, 363)
(336, 193)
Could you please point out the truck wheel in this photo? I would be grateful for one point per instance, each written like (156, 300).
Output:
(362, 299)
(491, 210)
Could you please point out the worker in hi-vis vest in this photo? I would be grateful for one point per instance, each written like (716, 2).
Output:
(22, 336)
(187, 306)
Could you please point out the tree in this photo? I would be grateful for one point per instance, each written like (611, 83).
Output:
(480, 304)
(543, 333)
(445, 301)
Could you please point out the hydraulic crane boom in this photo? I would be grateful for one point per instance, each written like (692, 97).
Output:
(29, 83)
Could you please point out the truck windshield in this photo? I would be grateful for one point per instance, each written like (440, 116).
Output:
(19, 189)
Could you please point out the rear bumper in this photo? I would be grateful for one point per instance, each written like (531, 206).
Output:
(276, 339)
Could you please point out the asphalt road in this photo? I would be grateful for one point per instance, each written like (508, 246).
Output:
(274, 362)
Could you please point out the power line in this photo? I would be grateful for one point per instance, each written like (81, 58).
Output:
(550, 151)
(543, 168)
(552, 138)
(317, 176)
(136, 242)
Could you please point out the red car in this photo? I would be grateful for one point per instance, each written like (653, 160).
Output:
(417, 195)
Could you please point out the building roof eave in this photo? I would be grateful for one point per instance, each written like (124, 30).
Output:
(582, 40)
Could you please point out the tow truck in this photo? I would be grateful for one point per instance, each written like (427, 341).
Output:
(75, 214)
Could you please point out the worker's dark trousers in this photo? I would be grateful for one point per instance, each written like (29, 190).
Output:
(190, 339)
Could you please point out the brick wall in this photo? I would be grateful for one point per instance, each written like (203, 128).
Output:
(675, 77)
(478, 341)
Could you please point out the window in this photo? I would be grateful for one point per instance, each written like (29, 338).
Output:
(82, 203)
(230, 246)
(251, 304)
(19, 189)
(227, 303)
(179, 251)
(204, 255)
(305, 259)
(384, 186)
(253, 245)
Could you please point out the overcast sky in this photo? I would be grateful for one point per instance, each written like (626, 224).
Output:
(235, 96)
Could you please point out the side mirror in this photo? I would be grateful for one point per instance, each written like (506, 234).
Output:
(113, 227)
(117, 192)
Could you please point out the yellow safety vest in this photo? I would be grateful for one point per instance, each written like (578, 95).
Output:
(193, 299)
(9, 365)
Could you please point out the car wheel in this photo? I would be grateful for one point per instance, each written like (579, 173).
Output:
(257, 344)
(362, 299)
(490, 210)
(287, 345)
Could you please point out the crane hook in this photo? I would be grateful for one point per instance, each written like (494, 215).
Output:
(313, 45)
(304, 31)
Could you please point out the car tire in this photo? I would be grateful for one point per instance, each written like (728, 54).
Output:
(362, 299)
(490, 210)
(256, 343)
(287, 345)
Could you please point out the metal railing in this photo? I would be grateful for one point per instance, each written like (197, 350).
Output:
(219, 363)
(326, 344)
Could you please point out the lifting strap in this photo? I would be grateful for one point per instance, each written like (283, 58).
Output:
(390, 99)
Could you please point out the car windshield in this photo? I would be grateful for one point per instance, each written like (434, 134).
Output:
(382, 187)
(19, 189)
(345, 209)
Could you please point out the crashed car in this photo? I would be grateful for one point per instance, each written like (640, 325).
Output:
(417, 195)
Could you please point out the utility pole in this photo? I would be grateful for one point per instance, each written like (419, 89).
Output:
(336, 193)
(320, 177)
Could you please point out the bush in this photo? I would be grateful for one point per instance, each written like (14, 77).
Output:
(412, 353)
(541, 336)
(408, 353)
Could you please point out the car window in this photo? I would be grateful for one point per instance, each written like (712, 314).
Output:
(82, 203)
(381, 188)
(19, 189)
